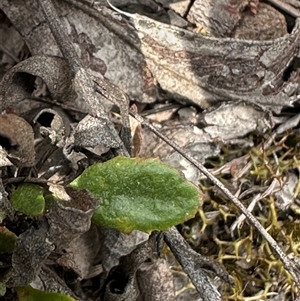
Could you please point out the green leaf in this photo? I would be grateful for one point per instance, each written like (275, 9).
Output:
(139, 194)
(27, 293)
(7, 240)
(28, 198)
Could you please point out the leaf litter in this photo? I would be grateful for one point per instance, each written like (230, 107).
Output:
(240, 143)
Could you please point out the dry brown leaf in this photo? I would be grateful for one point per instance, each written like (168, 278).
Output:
(16, 136)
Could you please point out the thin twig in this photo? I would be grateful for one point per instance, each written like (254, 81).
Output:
(194, 265)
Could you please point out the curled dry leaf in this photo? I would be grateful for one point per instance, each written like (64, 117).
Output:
(16, 136)
(55, 124)
(49, 281)
(116, 244)
(71, 219)
(122, 282)
(31, 250)
(80, 254)
(92, 132)
(18, 83)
